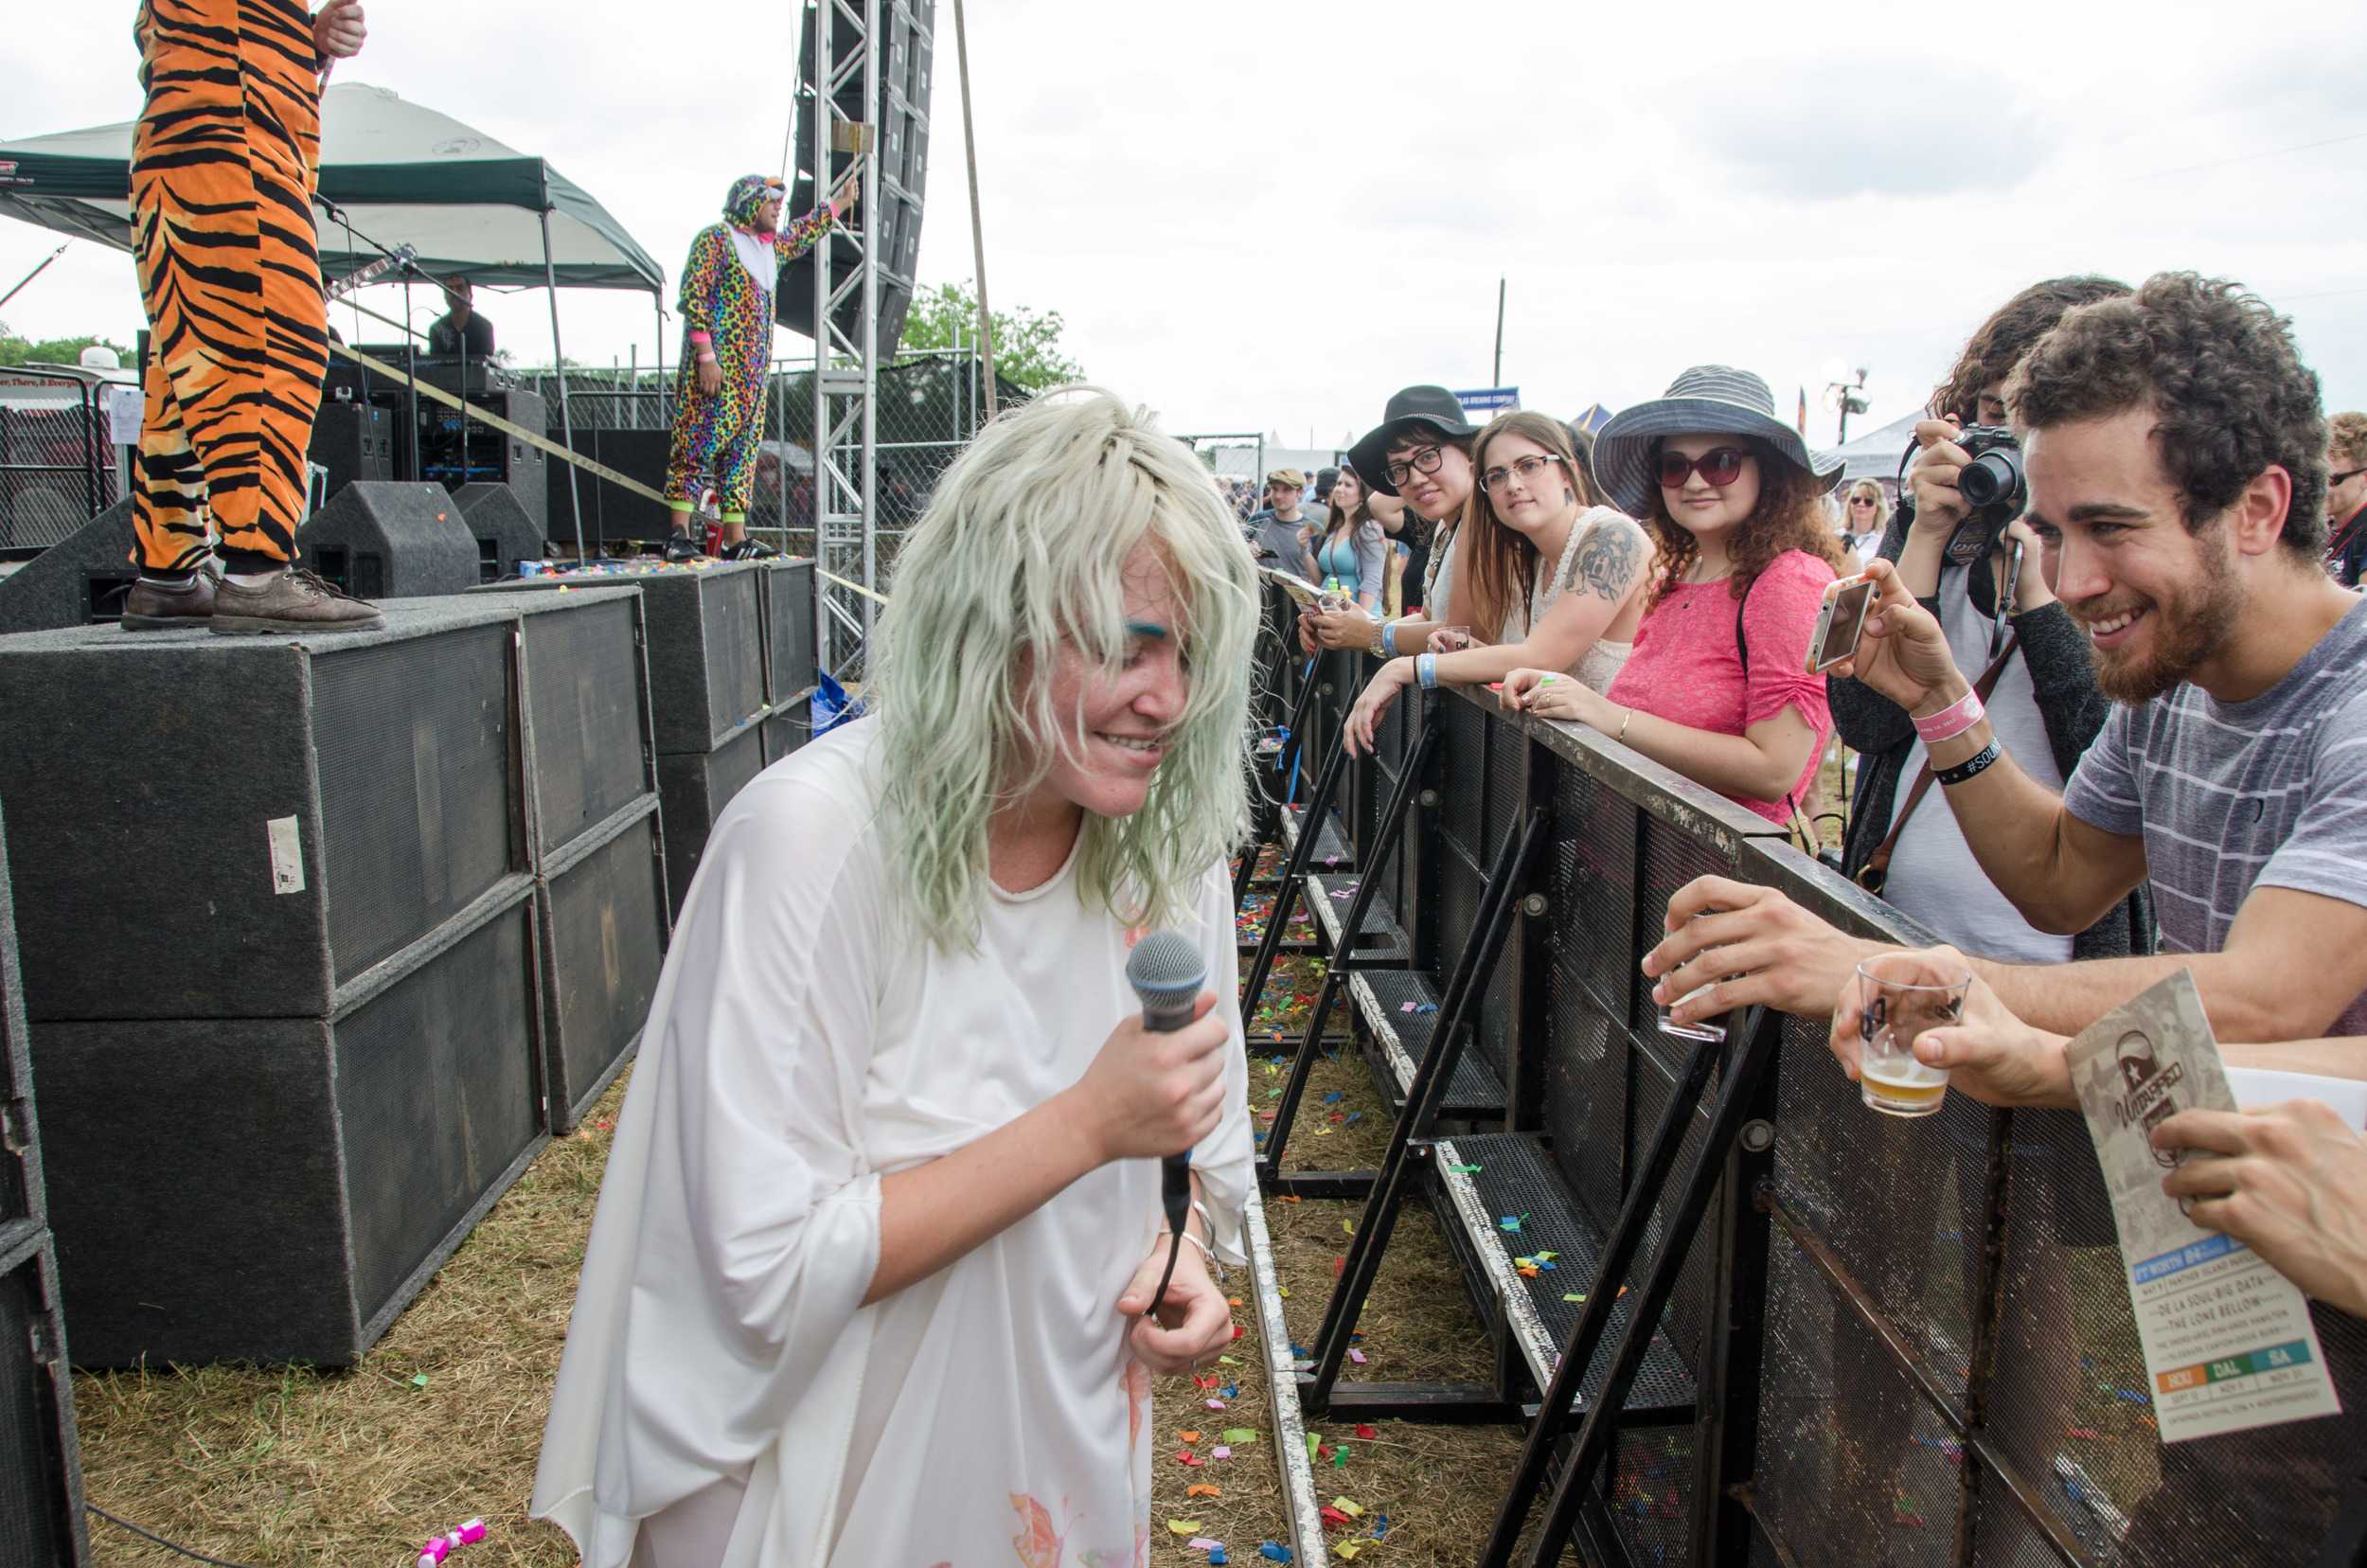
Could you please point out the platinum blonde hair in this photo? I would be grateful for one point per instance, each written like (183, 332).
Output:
(1022, 555)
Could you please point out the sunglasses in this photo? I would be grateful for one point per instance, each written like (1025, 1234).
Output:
(1862, 500)
(1718, 466)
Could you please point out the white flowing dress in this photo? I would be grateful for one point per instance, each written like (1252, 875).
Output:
(722, 1380)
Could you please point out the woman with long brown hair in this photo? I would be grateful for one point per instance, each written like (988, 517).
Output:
(1546, 577)
(1353, 552)
(1715, 689)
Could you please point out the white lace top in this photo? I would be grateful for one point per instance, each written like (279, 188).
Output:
(1599, 663)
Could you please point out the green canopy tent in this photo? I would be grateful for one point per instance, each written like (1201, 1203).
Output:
(392, 173)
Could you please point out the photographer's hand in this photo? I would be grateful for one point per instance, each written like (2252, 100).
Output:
(1939, 506)
(1902, 653)
(2030, 586)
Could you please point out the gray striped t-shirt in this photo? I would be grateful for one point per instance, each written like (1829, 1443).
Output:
(2227, 795)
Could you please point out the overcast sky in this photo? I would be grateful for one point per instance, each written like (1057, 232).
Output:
(1268, 216)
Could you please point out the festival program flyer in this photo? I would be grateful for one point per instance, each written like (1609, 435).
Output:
(2227, 1341)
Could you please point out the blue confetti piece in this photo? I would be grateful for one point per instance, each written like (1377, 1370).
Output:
(2132, 1396)
(1233, 1391)
(1298, 1350)
(1354, 1116)
(1335, 1097)
(1274, 1552)
(1380, 1525)
(1216, 1555)
(1510, 1223)
(1426, 1007)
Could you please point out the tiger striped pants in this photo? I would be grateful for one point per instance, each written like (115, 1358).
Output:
(224, 165)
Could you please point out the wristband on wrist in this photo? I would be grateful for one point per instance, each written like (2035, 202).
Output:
(1426, 670)
(1389, 636)
(1971, 766)
(702, 339)
(1951, 721)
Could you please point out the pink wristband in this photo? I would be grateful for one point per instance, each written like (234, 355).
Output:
(702, 337)
(1951, 721)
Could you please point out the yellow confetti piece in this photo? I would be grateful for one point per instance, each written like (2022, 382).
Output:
(1285, 1292)
(1348, 1506)
(1348, 1225)
(1183, 1527)
(1347, 1550)
(1323, 1131)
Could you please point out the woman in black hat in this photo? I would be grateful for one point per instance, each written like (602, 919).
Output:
(1421, 454)
(1717, 687)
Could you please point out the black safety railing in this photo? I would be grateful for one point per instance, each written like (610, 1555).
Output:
(1744, 1319)
(57, 465)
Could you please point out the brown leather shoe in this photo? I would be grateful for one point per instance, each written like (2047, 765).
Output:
(291, 602)
(152, 608)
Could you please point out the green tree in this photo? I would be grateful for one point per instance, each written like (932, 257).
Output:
(1026, 345)
(17, 350)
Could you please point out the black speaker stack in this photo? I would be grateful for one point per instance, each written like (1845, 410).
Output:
(391, 540)
(456, 450)
(610, 510)
(890, 215)
(731, 669)
(40, 1468)
(353, 439)
(319, 939)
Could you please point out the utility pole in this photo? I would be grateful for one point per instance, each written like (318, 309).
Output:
(1498, 378)
(1847, 396)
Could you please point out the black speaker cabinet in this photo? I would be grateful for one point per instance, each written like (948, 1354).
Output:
(789, 646)
(278, 1189)
(601, 869)
(505, 531)
(610, 510)
(692, 792)
(503, 456)
(206, 827)
(705, 645)
(391, 541)
(788, 729)
(353, 441)
(80, 581)
(20, 1137)
(41, 1467)
(604, 919)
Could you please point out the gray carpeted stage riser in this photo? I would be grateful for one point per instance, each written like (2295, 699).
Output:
(388, 539)
(477, 775)
(85, 574)
(505, 531)
(41, 1470)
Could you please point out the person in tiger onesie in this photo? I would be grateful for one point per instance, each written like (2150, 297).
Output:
(224, 165)
(728, 287)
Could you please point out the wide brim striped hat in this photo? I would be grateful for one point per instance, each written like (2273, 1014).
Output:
(1708, 400)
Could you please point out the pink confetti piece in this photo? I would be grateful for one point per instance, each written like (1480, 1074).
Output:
(1216, 1404)
(1222, 1451)
(1357, 1356)
(1202, 1543)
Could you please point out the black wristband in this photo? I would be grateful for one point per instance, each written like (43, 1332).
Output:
(1971, 766)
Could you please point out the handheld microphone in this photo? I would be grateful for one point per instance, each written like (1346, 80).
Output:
(1168, 974)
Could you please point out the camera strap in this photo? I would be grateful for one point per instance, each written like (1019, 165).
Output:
(1874, 873)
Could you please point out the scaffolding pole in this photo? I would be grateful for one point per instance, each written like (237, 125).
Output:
(845, 370)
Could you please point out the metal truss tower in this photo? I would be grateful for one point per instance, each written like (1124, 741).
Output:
(847, 47)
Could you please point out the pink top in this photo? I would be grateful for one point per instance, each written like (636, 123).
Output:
(1687, 669)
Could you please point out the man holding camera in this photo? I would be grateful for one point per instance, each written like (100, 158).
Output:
(1977, 571)
(2176, 455)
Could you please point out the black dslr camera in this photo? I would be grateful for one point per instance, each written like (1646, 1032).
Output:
(1992, 484)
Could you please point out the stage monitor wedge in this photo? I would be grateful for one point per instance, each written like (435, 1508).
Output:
(78, 581)
(391, 540)
(507, 531)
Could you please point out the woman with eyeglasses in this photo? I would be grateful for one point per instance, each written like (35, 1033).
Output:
(1555, 579)
(1420, 453)
(1715, 687)
(1353, 551)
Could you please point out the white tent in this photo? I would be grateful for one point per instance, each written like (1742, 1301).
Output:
(1876, 454)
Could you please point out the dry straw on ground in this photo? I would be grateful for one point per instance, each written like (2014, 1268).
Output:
(288, 1468)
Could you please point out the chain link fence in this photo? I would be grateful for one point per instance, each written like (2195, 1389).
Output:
(57, 465)
(1239, 461)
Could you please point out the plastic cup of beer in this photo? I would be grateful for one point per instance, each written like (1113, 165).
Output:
(1701, 1028)
(1902, 995)
(1454, 639)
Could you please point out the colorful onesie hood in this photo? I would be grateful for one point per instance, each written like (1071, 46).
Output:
(748, 195)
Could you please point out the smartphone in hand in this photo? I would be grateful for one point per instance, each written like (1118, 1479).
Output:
(1840, 621)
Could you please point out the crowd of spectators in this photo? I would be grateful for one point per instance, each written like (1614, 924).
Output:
(2109, 733)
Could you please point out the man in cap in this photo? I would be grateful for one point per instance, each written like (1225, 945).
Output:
(728, 287)
(1278, 534)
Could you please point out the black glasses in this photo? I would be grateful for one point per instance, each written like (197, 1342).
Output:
(1718, 466)
(1423, 460)
(1526, 469)
(2334, 479)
